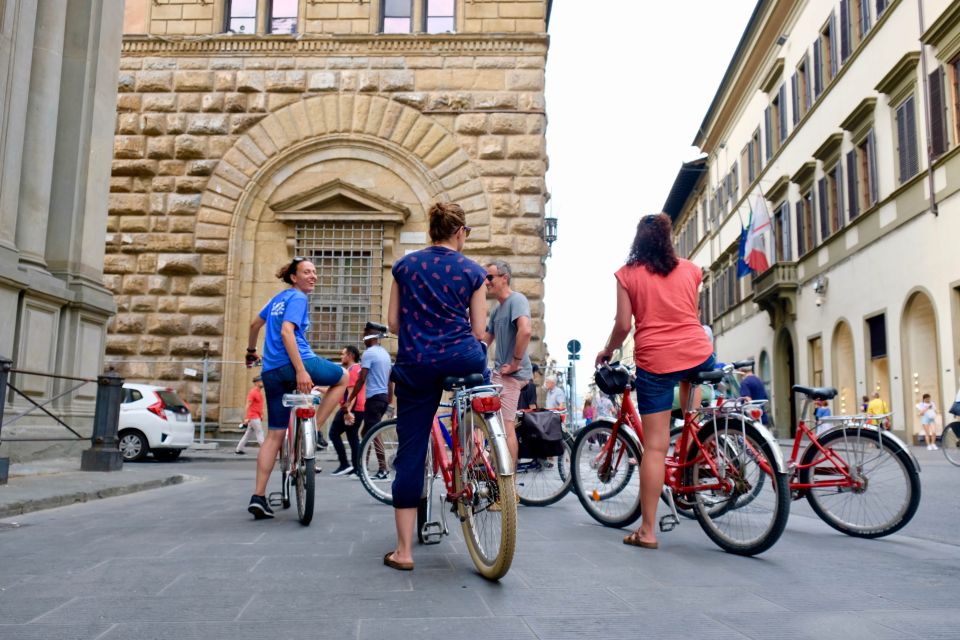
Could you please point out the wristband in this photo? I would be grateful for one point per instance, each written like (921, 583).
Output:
(253, 350)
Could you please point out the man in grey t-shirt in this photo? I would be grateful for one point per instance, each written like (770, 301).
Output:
(375, 374)
(511, 328)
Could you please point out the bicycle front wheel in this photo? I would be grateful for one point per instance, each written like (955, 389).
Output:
(543, 481)
(740, 499)
(603, 469)
(305, 478)
(887, 490)
(488, 506)
(378, 450)
(950, 443)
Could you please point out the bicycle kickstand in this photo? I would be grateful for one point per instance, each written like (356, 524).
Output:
(670, 521)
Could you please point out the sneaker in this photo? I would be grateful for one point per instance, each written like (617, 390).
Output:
(342, 470)
(383, 474)
(259, 508)
(934, 447)
(317, 468)
(240, 453)
(928, 448)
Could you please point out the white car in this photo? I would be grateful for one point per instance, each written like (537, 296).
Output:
(153, 419)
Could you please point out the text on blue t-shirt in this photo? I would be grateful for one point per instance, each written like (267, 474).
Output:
(291, 306)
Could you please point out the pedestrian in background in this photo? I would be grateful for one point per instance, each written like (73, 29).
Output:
(751, 387)
(375, 374)
(821, 411)
(928, 420)
(555, 400)
(349, 357)
(864, 403)
(509, 329)
(528, 395)
(587, 411)
(252, 416)
(878, 407)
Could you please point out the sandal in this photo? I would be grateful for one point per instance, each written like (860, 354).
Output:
(393, 564)
(634, 541)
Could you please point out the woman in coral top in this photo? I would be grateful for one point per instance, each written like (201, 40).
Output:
(658, 292)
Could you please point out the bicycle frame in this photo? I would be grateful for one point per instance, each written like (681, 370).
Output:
(840, 466)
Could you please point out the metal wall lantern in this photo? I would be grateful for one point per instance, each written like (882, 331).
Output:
(549, 232)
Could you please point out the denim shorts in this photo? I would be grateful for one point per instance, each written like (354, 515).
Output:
(655, 390)
(281, 380)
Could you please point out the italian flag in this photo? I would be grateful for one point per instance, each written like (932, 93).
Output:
(757, 250)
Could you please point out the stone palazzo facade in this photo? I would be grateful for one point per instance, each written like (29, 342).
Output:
(234, 153)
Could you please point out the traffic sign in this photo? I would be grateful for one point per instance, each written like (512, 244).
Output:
(573, 346)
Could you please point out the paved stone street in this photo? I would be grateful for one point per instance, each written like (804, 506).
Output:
(187, 562)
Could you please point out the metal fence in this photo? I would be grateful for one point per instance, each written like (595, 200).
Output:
(103, 454)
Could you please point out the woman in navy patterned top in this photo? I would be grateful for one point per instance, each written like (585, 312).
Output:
(438, 309)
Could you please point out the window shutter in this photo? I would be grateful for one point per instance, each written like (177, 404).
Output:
(864, 17)
(846, 31)
(841, 205)
(768, 133)
(853, 203)
(795, 88)
(808, 100)
(832, 32)
(787, 249)
(902, 142)
(801, 231)
(872, 162)
(823, 204)
(817, 68)
(912, 147)
(938, 129)
(783, 113)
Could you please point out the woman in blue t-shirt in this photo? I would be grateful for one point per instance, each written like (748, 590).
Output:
(288, 364)
(438, 309)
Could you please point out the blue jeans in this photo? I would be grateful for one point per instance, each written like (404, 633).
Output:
(418, 389)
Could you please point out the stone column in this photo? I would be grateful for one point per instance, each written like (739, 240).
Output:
(16, 50)
(40, 136)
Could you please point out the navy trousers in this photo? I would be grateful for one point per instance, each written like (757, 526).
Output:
(419, 389)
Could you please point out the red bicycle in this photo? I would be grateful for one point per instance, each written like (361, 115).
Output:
(859, 478)
(724, 467)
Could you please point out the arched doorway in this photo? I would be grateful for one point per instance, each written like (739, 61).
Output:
(784, 403)
(844, 370)
(921, 366)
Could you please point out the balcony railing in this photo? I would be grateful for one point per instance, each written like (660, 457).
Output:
(775, 290)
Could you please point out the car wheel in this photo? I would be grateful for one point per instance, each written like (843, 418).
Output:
(133, 446)
(167, 455)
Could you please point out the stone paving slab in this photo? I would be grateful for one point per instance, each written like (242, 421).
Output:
(188, 562)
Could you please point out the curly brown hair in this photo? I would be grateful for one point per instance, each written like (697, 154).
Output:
(652, 247)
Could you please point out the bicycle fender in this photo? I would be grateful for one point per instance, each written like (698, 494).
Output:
(500, 441)
(625, 429)
(310, 439)
(887, 436)
(774, 446)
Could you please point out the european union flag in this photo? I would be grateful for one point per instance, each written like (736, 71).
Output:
(743, 268)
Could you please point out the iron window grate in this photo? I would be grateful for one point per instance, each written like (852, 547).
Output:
(349, 291)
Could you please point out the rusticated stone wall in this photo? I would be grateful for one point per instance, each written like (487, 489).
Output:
(212, 135)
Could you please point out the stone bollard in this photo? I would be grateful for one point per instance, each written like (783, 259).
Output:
(104, 455)
(5, 366)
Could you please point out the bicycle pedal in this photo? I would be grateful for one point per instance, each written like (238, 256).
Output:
(669, 522)
(275, 499)
(432, 533)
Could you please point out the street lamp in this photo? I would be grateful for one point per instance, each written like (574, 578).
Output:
(549, 233)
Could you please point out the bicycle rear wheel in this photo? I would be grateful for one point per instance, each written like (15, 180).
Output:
(950, 443)
(603, 470)
(378, 450)
(889, 493)
(305, 478)
(743, 506)
(489, 510)
(541, 482)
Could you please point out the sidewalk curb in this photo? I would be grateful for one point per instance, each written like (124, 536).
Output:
(52, 502)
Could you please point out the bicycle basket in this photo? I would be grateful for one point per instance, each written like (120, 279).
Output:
(612, 380)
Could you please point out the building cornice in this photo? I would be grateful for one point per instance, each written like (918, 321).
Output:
(902, 71)
(342, 45)
(862, 113)
(805, 173)
(772, 80)
(779, 189)
(830, 148)
(944, 33)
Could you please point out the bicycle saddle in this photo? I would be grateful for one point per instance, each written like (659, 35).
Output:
(375, 326)
(466, 382)
(708, 376)
(816, 393)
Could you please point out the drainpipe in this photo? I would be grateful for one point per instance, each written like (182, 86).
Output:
(926, 112)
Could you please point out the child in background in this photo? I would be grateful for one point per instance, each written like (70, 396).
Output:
(928, 420)
(822, 411)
